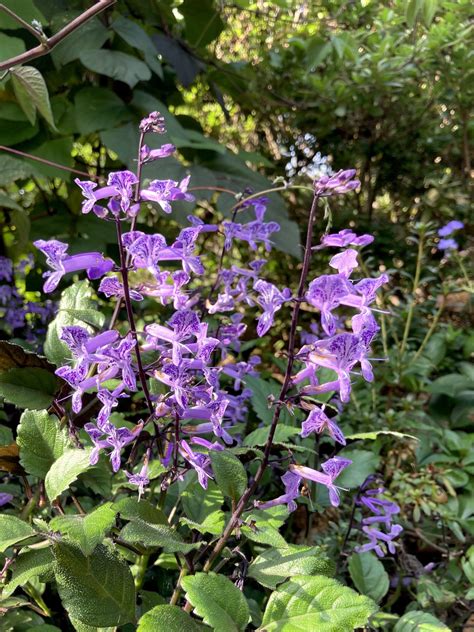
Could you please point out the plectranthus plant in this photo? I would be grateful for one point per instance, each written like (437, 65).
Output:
(189, 493)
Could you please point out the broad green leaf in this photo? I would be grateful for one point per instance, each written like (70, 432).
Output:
(418, 621)
(413, 7)
(264, 526)
(274, 566)
(41, 441)
(29, 564)
(97, 109)
(369, 575)
(203, 21)
(28, 388)
(10, 46)
(154, 536)
(316, 603)
(7, 202)
(132, 509)
(83, 627)
(12, 169)
(34, 87)
(166, 618)
(76, 297)
(115, 64)
(363, 464)
(217, 601)
(229, 473)
(198, 503)
(263, 392)
(58, 150)
(65, 470)
(24, 100)
(86, 531)
(25, 9)
(450, 384)
(214, 523)
(14, 126)
(98, 590)
(135, 36)
(13, 530)
(259, 436)
(91, 35)
(372, 436)
(13, 356)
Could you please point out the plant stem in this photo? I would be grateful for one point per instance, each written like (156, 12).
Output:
(411, 309)
(142, 566)
(429, 333)
(284, 389)
(21, 21)
(131, 319)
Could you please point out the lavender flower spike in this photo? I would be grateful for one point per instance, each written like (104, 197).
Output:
(339, 183)
(93, 262)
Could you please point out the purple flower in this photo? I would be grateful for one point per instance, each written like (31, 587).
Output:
(344, 262)
(378, 540)
(6, 269)
(450, 228)
(111, 286)
(448, 244)
(199, 462)
(141, 480)
(5, 498)
(184, 325)
(165, 191)
(339, 183)
(154, 123)
(61, 263)
(292, 482)
(115, 438)
(145, 250)
(331, 468)
(119, 190)
(345, 238)
(317, 421)
(83, 345)
(270, 298)
(326, 293)
(147, 154)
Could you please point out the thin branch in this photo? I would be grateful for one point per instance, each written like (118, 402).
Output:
(49, 43)
(23, 22)
(50, 163)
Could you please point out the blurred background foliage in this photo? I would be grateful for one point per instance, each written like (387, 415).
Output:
(269, 94)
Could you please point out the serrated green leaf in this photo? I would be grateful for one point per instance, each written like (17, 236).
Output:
(132, 509)
(74, 298)
(166, 618)
(369, 575)
(65, 470)
(115, 64)
(229, 473)
(214, 523)
(97, 590)
(198, 503)
(418, 621)
(155, 536)
(41, 441)
(316, 603)
(13, 530)
(86, 531)
(28, 565)
(217, 601)
(29, 387)
(274, 566)
(34, 87)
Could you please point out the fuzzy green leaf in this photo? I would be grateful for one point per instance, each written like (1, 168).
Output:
(155, 535)
(41, 441)
(217, 601)
(34, 87)
(28, 565)
(13, 530)
(97, 590)
(316, 603)
(65, 470)
(418, 621)
(369, 575)
(274, 566)
(229, 473)
(166, 618)
(31, 387)
(86, 531)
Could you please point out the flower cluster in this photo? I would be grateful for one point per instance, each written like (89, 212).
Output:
(447, 242)
(193, 380)
(383, 511)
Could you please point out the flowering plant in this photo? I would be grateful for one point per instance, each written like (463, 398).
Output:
(152, 413)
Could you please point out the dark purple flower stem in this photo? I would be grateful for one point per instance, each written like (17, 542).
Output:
(131, 319)
(234, 520)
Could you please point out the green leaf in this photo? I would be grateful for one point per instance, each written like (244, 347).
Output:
(97, 590)
(92, 34)
(363, 464)
(217, 601)
(24, 99)
(135, 36)
(10, 46)
(369, 575)
(418, 621)
(262, 394)
(7, 202)
(12, 169)
(13, 530)
(214, 523)
(259, 436)
(155, 535)
(28, 388)
(274, 566)
(166, 618)
(65, 470)
(132, 509)
(264, 525)
(198, 503)
(372, 436)
(413, 7)
(317, 49)
(75, 298)
(229, 473)
(34, 86)
(58, 150)
(316, 603)
(97, 109)
(117, 65)
(450, 385)
(28, 565)
(26, 9)
(86, 531)
(41, 441)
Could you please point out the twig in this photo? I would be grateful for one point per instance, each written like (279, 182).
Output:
(49, 43)
(50, 163)
(21, 21)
